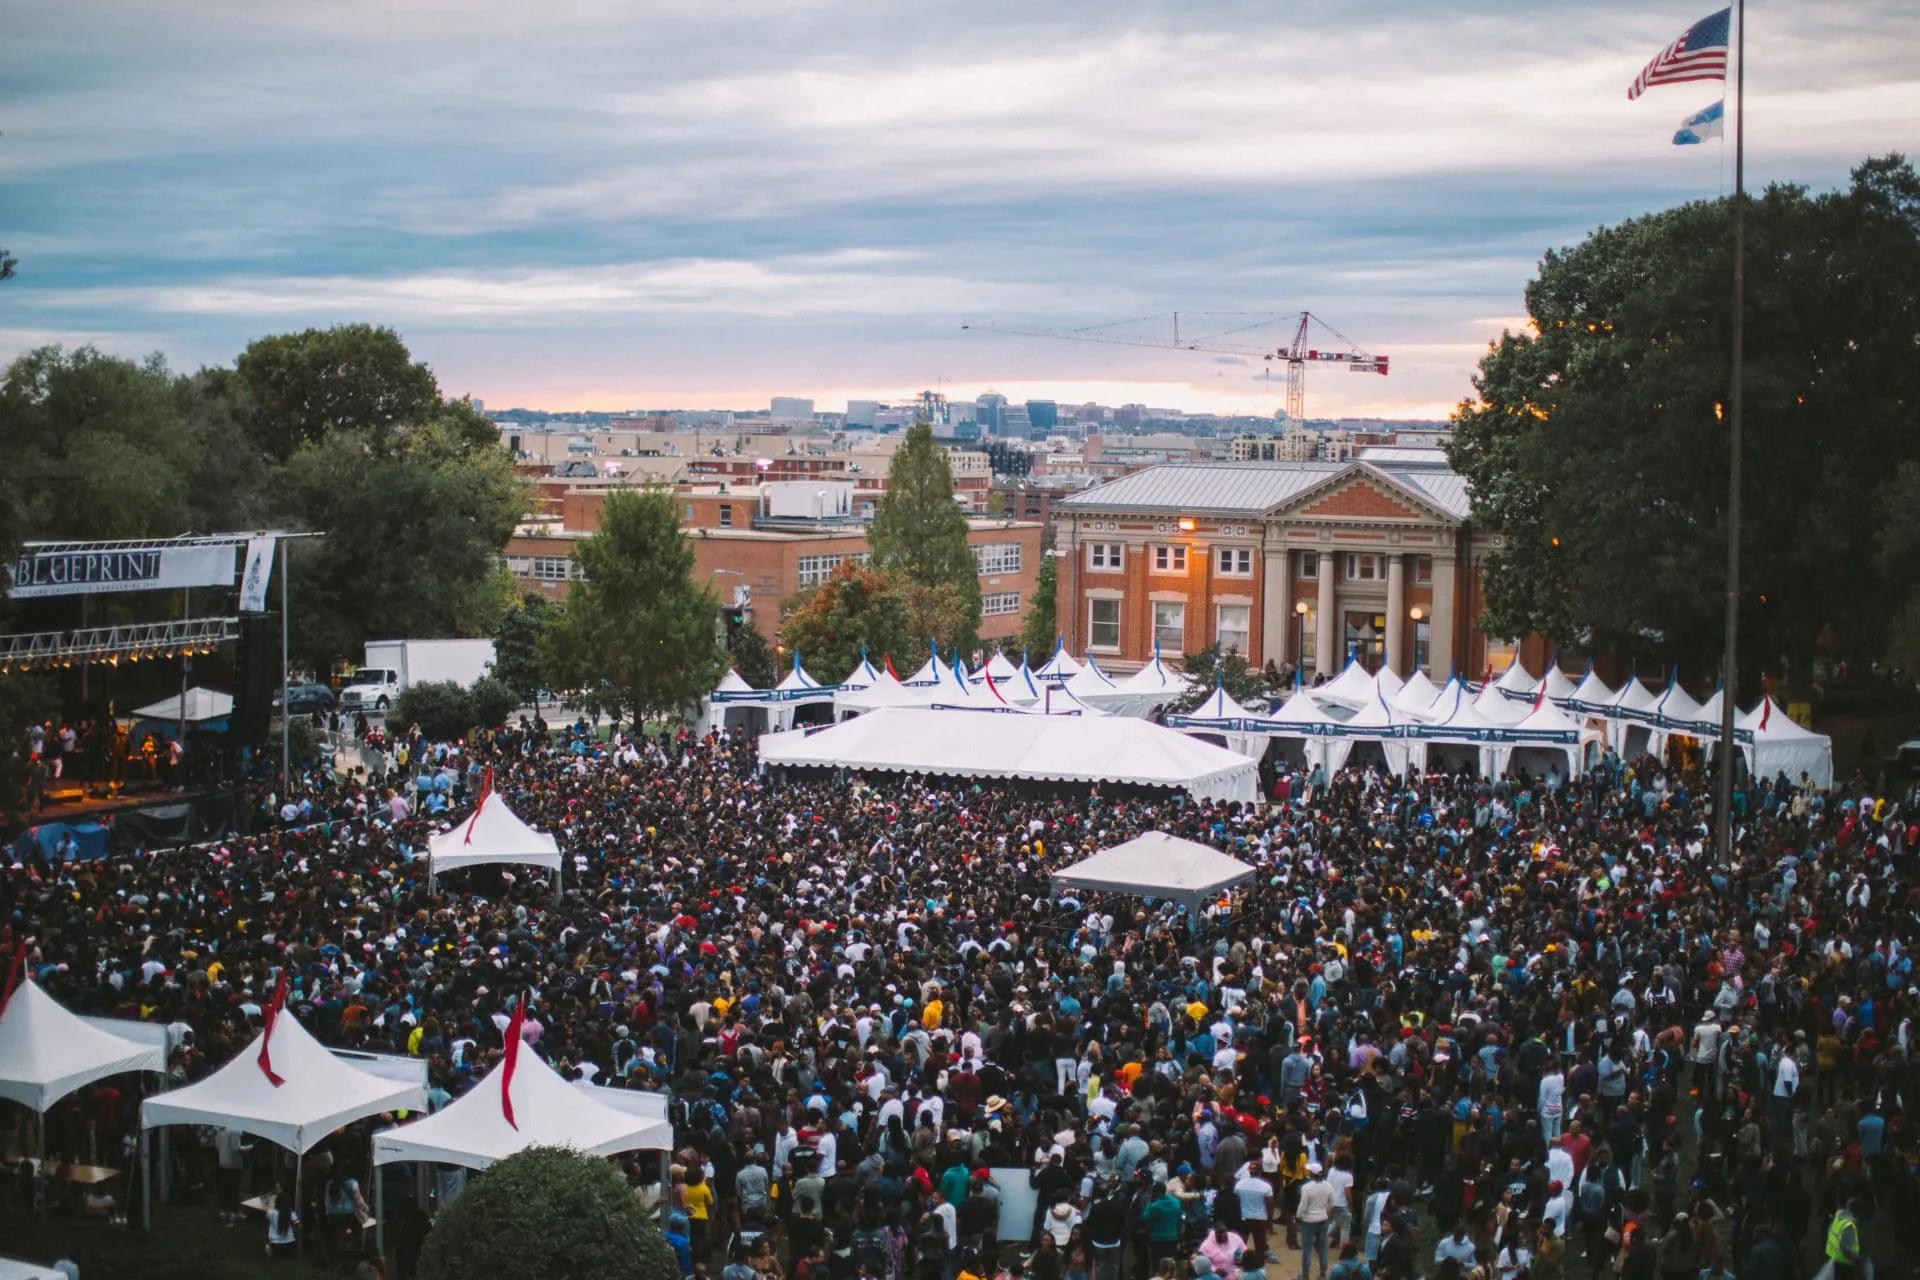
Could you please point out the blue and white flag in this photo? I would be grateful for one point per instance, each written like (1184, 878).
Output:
(1708, 122)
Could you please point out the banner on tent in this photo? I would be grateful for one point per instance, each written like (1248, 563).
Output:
(37, 575)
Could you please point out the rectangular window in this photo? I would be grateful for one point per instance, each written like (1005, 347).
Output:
(1423, 570)
(552, 568)
(1363, 568)
(997, 558)
(1309, 564)
(814, 570)
(1235, 562)
(1232, 628)
(1103, 624)
(1104, 556)
(1169, 627)
(1170, 559)
(1423, 644)
(998, 604)
(726, 515)
(688, 517)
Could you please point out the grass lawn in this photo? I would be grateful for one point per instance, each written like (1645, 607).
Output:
(186, 1243)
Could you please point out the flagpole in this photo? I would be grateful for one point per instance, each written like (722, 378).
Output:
(1729, 662)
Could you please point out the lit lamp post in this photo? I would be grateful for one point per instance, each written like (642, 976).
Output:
(1417, 614)
(1300, 608)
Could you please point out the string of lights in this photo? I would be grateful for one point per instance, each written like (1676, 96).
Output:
(112, 645)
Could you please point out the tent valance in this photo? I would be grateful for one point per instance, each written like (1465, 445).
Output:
(1158, 865)
(46, 1052)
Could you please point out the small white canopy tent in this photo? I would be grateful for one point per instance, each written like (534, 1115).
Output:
(1061, 702)
(1011, 744)
(1300, 718)
(1060, 668)
(1456, 721)
(932, 671)
(863, 675)
(46, 1052)
(1591, 697)
(1559, 685)
(493, 834)
(797, 689)
(1020, 688)
(1157, 865)
(12, 1269)
(1353, 688)
(1677, 711)
(1516, 681)
(1633, 708)
(472, 1131)
(999, 666)
(319, 1093)
(202, 705)
(1416, 695)
(734, 695)
(1221, 714)
(1552, 729)
(1088, 682)
(1708, 726)
(1153, 685)
(1499, 708)
(1374, 722)
(1781, 746)
(885, 691)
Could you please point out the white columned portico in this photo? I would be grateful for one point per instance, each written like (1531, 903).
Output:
(1276, 605)
(1327, 658)
(1440, 654)
(1397, 614)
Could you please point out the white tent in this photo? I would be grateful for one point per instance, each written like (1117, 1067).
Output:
(932, 671)
(1353, 688)
(1559, 685)
(1088, 682)
(1591, 697)
(319, 1093)
(1516, 682)
(1060, 668)
(1153, 685)
(999, 666)
(1677, 711)
(202, 705)
(1009, 744)
(1388, 681)
(46, 1053)
(797, 689)
(1415, 695)
(1300, 719)
(1157, 865)
(1781, 746)
(1221, 714)
(472, 1131)
(885, 691)
(1456, 721)
(1020, 688)
(1633, 708)
(1373, 722)
(863, 675)
(492, 834)
(1497, 707)
(11, 1269)
(1548, 728)
(1061, 702)
(734, 694)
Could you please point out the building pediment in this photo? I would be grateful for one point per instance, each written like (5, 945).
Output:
(1363, 494)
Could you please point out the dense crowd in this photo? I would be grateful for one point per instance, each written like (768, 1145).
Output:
(1454, 1027)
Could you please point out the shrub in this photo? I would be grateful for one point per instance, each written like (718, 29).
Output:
(441, 708)
(491, 701)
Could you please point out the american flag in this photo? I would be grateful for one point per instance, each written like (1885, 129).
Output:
(1700, 54)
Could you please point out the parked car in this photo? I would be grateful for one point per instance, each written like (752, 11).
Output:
(1904, 764)
(305, 699)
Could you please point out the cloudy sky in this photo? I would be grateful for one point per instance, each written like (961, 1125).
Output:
(706, 202)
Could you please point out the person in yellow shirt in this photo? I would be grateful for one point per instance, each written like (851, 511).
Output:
(930, 1015)
(699, 1194)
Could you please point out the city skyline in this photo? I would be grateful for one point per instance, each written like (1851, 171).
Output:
(575, 208)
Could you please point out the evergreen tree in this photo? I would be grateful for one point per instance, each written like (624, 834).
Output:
(637, 634)
(1040, 630)
(919, 535)
(516, 645)
(753, 658)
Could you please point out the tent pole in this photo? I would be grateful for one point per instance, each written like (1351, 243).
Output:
(299, 1177)
(146, 1186)
(380, 1214)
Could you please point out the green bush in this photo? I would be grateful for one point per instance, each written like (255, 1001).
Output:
(441, 708)
(547, 1214)
(492, 702)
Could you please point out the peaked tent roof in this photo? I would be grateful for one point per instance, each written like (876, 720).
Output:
(1139, 693)
(1454, 718)
(1677, 709)
(797, 679)
(862, 676)
(320, 1093)
(885, 691)
(1560, 685)
(1782, 746)
(1089, 680)
(1158, 865)
(472, 1130)
(1060, 701)
(1548, 724)
(1219, 711)
(1298, 717)
(1000, 666)
(492, 834)
(932, 671)
(1516, 681)
(46, 1052)
(1415, 694)
(1353, 687)
(202, 705)
(1591, 696)
(1060, 667)
(1634, 702)
(1008, 744)
(1499, 708)
(733, 687)
(1020, 688)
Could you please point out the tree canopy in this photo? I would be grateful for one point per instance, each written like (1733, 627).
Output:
(546, 1213)
(855, 607)
(919, 537)
(1596, 446)
(637, 634)
(302, 387)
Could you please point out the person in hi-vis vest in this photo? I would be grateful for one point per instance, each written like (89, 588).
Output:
(1843, 1241)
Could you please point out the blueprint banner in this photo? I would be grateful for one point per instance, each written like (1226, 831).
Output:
(85, 573)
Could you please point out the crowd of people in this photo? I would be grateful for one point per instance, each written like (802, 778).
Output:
(1454, 1027)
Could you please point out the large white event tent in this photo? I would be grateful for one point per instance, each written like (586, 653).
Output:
(1153, 685)
(1781, 746)
(46, 1052)
(1222, 714)
(1060, 668)
(493, 834)
(1158, 865)
(1454, 721)
(472, 1131)
(1013, 744)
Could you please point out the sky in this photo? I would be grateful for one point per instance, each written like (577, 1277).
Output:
(572, 205)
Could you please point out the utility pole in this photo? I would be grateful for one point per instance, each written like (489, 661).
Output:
(1729, 662)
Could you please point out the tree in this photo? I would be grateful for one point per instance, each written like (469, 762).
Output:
(490, 701)
(352, 377)
(412, 543)
(638, 632)
(1040, 629)
(1208, 670)
(546, 1213)
(938, 617)
(919, 534)
(1596, 449)
(441, 709)
(516, 645)
(753, 658)
(855, 608)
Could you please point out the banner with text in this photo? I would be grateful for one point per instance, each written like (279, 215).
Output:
(83, 573)
(253, 583)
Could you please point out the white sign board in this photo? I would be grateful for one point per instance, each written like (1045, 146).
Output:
(39, 574)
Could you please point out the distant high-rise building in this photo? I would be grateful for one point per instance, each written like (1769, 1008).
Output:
(988, 412)
(860, 412)
(1044, 416)
(1014, 423)
(792, 408)
(479, 405)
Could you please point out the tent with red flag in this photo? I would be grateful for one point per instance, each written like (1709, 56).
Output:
(491, 834)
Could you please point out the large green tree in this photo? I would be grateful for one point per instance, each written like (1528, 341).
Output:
(919, 535)
(352, 377)
(852, 610)
(1039, 630)
(637, 634)
(516, 644)
(1596, 445)
(547, 1213)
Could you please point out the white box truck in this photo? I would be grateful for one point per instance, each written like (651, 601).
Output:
(393, 665)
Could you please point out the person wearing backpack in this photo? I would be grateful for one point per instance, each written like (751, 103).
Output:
(1351, 1265)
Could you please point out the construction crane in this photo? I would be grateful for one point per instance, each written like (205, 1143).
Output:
(1296, 355)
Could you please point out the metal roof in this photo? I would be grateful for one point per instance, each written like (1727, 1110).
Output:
(1253, 488)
